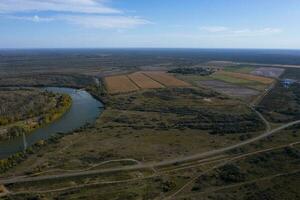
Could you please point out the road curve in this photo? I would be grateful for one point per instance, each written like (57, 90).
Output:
(148, 165)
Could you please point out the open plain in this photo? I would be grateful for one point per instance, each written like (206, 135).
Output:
(166, 136)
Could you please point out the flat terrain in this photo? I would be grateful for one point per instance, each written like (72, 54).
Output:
(141, 80)
(248, 77)
(162, 136)
(245, 90)
(166, 79)
(150, 126)
(47, 79)
(282, 104)
(230, 89)
(232, 175)
(120, 84)
(144, 82)
(239, 69)
(240, 80)
(268, 72)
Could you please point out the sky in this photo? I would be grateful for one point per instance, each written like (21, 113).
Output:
(150, 24)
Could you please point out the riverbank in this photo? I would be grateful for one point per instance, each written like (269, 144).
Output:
(60, 104)
(84, 109)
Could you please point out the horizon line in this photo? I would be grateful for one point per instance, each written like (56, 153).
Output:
(157, 48)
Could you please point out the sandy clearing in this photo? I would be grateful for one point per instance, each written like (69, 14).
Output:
(230, 89)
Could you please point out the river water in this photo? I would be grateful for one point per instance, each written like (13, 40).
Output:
(84, 109)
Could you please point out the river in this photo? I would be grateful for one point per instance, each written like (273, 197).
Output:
(84, 109)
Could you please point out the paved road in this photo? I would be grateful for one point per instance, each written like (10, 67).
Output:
(148, 165)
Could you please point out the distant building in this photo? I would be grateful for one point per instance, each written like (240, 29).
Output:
(288, 82)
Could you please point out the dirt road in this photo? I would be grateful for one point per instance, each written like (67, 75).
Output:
(148, 165)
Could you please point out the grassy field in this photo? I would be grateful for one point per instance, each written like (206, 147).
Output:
(270, 169)
(273, 175)
(234, 88)
(150, 126)
(244, 80)
(267, 172)
(182, 118)
(240, 69)
(144, 82)
(166, 123)
(248, 77)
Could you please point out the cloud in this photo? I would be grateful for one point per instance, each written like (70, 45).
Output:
(86, 13)
(227, 31)
(75, 6)
(34, 18)
(263, 31)
(213, 29)
(104, 22)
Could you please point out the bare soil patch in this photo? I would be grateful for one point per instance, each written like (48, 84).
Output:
(166, 79)
(119, 84)
(144, 82)
(268, 72)
(229, 89)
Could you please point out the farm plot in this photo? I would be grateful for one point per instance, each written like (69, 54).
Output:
(248, 77)
(230, 89)
(166, 79)
(144, 82)
(240, 69)
(119, 84)
(268, 72)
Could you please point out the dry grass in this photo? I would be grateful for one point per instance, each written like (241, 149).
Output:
(144, 82)
(249, 77)
(119, 84)
(166, 79)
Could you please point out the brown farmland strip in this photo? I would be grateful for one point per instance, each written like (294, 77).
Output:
(249, 77)
(166, 79)
(120, 84)
(143, 81)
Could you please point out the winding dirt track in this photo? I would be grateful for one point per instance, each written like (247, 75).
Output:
(199, 156)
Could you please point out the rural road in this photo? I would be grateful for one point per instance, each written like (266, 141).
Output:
(23, 179)
(260, 64)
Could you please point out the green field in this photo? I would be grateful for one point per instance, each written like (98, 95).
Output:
(239, 81)
(240, 69)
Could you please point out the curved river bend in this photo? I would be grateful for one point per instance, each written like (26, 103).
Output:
(84, 109)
